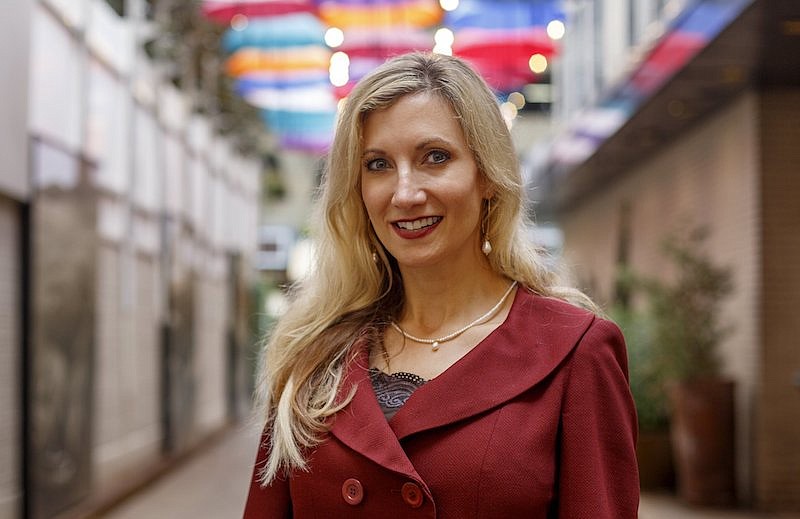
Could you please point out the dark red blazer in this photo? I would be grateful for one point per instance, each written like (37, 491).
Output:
(536, 421)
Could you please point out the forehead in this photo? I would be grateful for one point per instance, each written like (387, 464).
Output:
(418, 115)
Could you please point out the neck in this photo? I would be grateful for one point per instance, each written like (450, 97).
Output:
(435, 303)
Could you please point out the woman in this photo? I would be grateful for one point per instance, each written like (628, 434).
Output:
(429, 367)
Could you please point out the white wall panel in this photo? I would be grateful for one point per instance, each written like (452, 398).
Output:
(14, 86)
(108, 129)
(55, 101)
(147, 185)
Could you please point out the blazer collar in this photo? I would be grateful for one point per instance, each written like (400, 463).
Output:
(535, 338)
(361, 424)
(538, 334)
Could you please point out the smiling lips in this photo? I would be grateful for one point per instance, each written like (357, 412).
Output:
(416, 228)
(415, 225)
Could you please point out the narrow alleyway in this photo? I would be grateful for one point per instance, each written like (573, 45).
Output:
(214, 485)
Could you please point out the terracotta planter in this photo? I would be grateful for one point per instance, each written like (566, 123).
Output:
(654, 454)
(702, 433)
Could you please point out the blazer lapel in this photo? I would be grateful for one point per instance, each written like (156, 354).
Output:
(362, 426)
(538, 334)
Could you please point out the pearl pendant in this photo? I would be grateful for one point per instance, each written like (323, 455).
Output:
(435, 346)
(487, 247)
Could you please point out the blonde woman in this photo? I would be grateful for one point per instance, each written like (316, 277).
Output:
(429, 367)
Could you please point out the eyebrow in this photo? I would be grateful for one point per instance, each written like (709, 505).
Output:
(372, 151)
(434, 140)
(422, 145)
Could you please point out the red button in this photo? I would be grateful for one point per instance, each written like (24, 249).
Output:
(352, 491)
(412, 495)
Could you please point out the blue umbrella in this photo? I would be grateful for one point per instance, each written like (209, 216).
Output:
(276, 32)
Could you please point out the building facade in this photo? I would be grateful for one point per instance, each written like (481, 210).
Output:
(128, 231)
(683, 120)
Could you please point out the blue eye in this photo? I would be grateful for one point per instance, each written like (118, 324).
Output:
(377, 164)
(438, 156)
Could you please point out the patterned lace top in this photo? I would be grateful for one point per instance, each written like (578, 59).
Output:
(393, 389)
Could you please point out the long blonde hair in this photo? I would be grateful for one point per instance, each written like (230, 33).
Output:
(349, 297)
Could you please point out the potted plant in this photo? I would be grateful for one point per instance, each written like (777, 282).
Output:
(653, 448)
(686, 333)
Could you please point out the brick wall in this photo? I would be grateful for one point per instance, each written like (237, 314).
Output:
(9, 360)
(709, 176)
(778, 416)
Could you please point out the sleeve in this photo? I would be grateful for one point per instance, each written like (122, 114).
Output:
(267, 502)
(598, 472)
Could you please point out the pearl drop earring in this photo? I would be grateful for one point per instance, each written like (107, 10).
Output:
(487, 245)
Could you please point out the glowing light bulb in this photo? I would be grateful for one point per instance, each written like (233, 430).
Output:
(556, 29)
(239, 22)
(509, 113)
(334, 37)
(538, 63)
(339, 70)
(443, 50)
(449, 5)
(517, 100)
(508, 110)
(340, 59)
(444, 37)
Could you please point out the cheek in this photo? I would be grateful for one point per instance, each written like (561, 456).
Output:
(467, 198)
(372, 200)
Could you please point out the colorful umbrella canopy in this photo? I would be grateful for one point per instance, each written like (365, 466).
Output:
(299, 100)
(299, 59)
(280, 80)
(223, 11)
(375, 30)
(278, 55)
(292, 30)
(503, 14)
(499, 37)
(377, 14)
(307, 131)
(369, 43)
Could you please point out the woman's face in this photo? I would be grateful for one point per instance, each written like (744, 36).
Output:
(420, 183)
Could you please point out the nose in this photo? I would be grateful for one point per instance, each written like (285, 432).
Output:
(408, 191)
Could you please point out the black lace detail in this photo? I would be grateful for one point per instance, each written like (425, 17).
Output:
(393, 389)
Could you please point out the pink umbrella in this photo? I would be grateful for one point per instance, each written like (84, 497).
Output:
(222, 11)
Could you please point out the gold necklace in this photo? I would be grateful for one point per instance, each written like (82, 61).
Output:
(437, 341)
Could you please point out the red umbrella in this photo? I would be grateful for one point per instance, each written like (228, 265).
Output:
(491, 43)
(223, 11)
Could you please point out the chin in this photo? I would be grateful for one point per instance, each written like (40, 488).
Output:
(410, 261)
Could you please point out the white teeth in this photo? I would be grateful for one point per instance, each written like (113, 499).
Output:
(418, 224)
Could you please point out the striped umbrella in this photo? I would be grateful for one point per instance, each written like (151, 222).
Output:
(223, 11)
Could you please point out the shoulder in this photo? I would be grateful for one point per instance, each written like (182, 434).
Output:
(551, 313)
(541, 333)
(553, 306)
(580, 334)
(563, 329)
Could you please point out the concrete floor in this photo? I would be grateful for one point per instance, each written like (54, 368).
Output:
(212, 484)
